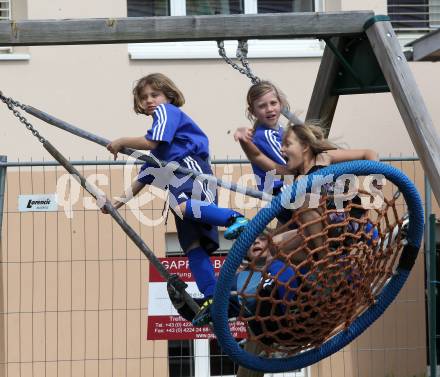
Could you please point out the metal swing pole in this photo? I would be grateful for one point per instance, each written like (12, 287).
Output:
(131, 152)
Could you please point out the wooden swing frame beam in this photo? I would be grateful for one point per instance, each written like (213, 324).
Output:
(181, 28)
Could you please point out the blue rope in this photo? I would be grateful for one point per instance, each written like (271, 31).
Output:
(257, 225)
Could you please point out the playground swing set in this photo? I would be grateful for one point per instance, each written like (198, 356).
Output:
(362, 55)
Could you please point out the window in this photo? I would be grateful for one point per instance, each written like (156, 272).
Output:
(414, 15)
(208, 49)
(181, 358)
(434, 13)
(5, 14)
(197, 8)
(5, 10)
(7, 52)
(147, 8)
(174, 250)
(220, 363)
(201, 357)
(142, 8)
(279, 6)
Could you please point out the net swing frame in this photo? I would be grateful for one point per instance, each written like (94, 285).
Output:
(383, 295)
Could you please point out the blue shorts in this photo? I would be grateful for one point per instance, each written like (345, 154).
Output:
(286, 275)
(181, 188)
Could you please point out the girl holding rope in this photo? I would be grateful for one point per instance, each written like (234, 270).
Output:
(306, 150)
(264, 104)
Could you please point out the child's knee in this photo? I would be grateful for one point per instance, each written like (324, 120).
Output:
(182, 207)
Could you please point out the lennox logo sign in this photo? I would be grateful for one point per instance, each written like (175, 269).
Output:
(37, 203)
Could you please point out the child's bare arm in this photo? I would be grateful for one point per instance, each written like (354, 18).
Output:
(243, 134)
(136, 186)
(341, 155)
(137, 142)
(281, 237)
(257, 157)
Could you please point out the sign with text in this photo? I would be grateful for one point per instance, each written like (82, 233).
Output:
(164, 323)
(37, 203)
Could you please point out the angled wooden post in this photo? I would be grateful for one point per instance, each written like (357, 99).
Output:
(322, 104)
(408, 98)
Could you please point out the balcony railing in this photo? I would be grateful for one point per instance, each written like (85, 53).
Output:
(414, 16)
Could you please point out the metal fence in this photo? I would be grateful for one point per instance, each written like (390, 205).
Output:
(74, 294)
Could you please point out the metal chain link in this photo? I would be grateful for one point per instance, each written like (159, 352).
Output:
(242, 50)
(12, 104)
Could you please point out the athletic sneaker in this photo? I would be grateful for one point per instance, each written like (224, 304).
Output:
(234, 230)
(203, 316)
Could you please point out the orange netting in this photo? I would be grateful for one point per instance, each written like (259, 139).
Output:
(318, 278)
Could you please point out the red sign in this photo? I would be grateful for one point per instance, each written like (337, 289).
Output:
(164, 323)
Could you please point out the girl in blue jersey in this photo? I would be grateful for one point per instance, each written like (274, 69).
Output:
(174, 136)
(264, 104)
(306, 150)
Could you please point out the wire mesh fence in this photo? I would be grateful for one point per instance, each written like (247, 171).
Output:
(74, 294)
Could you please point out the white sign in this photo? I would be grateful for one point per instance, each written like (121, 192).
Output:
(37, 203)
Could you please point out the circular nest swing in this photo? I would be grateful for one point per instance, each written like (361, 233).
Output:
(308, 292)
(320, 290)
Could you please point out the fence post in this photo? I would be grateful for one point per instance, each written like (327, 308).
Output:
(3, 345)
(430, 263)
(432, 304)
(428, 211)
(3, 159)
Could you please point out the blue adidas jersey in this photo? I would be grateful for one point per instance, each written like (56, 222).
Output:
(178, 135)
(268, 141)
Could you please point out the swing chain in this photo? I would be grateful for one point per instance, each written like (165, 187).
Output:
(242, 50)
(12, 104)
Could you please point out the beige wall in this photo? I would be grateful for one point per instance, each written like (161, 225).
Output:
(378, 6)
(99, 100)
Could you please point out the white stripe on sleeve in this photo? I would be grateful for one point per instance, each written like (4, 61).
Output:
(160, 113)
(274, 144)
(165, 119)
